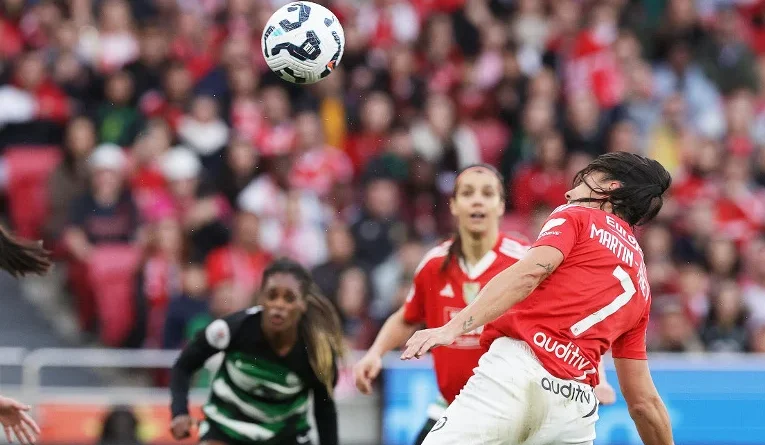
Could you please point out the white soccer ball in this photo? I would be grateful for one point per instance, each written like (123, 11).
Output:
(303, 42)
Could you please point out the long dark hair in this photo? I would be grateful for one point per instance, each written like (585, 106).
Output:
(319, 326)
(455, 249)
(20, 258)
(643, 182)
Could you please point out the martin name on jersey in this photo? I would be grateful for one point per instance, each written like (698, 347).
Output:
(587, 305)
(438, 295)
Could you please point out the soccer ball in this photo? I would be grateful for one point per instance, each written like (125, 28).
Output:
(303, 42)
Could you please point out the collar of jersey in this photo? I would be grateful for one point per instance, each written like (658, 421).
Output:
(480, 267)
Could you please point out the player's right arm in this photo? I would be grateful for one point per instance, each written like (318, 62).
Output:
(643, 401)
(215, 338)
(393, 334)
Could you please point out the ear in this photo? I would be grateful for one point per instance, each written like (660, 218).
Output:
(613, 185)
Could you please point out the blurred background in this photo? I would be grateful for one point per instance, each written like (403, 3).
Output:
(148, 144)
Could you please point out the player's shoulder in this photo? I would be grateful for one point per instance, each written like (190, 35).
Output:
(221, 331)
(573, 210)
(513, 245)
(434, 258)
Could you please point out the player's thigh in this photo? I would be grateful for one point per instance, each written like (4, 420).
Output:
(461, 426)
(572, 411)
(490, 410)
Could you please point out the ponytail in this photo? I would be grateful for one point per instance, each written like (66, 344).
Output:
(20, 258)
(454, 252)
(323, 334)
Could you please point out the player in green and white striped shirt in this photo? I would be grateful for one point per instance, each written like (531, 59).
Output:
(275, 356)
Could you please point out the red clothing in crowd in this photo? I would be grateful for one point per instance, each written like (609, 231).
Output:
(533, 186)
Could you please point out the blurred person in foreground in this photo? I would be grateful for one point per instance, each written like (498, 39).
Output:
(120, 427)
(20, 258)
(275, 355)
(581, 290)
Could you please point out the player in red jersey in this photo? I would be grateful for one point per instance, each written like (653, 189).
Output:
(578, 292)
(447, 279)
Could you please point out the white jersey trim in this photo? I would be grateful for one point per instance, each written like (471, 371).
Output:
(439, 251)
(480, 267)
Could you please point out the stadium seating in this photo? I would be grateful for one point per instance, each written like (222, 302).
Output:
(28, 170)
(111, 271)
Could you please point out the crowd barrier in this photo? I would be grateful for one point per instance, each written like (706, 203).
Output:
(712, 398)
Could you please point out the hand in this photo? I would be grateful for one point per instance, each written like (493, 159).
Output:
(366, 370)
(181, 425)
(425, 340)
(605, 393)
(16, 421)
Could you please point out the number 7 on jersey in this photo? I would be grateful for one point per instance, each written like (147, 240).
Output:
(622, 299)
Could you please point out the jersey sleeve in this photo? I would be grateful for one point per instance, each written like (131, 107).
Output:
(561, 230)
(216, 337)
(414, 307)
(631, 344)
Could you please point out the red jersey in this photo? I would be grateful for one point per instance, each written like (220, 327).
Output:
(598, 298)
(436, 297)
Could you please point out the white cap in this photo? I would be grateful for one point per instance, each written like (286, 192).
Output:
(107, 156)
(180, 163)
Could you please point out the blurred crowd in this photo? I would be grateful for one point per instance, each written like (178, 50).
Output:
(177, 140)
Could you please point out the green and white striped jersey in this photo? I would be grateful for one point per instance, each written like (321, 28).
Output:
(256, 396)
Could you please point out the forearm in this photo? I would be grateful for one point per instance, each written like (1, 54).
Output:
(180, 383)
(192, 358)
(652, 422)
(393, 334)
(500, 294)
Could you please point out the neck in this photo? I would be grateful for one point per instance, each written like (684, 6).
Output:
(475, 247)
(282, 342)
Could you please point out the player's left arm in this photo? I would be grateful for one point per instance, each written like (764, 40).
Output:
(643, 401)
(506, 289)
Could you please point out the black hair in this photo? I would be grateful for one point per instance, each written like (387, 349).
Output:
(643, 182)
(21, 258)
(319, 326)
(455, 249)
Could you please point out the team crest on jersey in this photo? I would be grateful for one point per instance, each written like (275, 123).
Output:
(470, 291)
(218, 334)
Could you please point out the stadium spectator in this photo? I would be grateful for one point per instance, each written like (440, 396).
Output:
(105, 213)
(725, 327)
(534, 88)
(70, 179)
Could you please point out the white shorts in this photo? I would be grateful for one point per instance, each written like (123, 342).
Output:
(512, 400)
